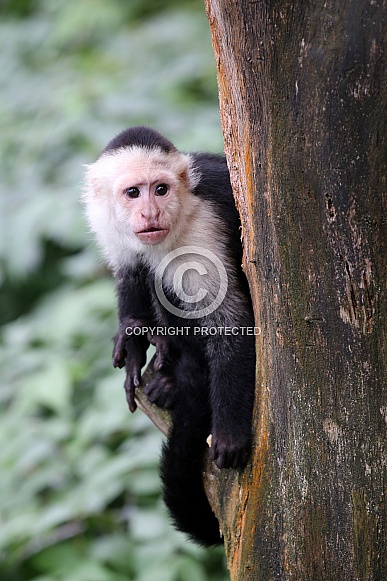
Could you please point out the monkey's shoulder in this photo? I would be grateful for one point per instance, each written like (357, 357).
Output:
(215, 188)
(213, 170)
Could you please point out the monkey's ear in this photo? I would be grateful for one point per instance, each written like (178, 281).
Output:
(95, 188)
(184, 178)
(95, 184)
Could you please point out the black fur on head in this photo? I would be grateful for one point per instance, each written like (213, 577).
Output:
(140, 136)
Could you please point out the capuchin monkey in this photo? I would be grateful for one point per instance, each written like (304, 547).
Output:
(168, 227)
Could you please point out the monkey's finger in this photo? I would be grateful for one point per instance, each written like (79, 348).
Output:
(162, 361)
(221, 460)
(119, 351)
(215, 455)
(239, 459)
(137, 380)
(119, 361)
(225, 457)
(159, 362)
(162, 351)
(130, 388)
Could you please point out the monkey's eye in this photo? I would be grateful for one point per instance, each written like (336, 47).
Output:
(132, 192)
(161, 190)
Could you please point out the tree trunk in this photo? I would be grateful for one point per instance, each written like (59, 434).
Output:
(303, 104)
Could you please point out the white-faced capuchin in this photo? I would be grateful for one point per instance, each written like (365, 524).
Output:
(168, 227)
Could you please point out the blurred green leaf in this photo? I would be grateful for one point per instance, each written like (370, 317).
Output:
(50, 387)
(191, 570)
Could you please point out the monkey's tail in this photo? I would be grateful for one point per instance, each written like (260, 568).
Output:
(182, 476)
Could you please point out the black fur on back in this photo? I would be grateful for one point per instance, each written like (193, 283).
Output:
(140, 136)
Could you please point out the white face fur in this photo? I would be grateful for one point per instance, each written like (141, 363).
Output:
(136, 198)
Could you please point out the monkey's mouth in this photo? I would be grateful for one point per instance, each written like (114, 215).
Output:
(152, 235)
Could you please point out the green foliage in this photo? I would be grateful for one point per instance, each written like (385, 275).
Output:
(79, 489)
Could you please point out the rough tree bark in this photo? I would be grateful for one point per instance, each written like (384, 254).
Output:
(303, 95)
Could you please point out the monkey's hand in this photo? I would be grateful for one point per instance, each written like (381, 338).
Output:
(127, 326)
(230, 452)
(124, 339)
(130, 351)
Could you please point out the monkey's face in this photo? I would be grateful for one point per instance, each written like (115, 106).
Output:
(147, 199)
(136, 198)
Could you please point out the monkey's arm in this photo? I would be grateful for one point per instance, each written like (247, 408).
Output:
(132, 340)
(134, 310)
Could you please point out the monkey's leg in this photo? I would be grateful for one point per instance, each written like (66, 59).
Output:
(232, 377)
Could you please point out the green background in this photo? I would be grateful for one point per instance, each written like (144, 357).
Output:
(79, 486)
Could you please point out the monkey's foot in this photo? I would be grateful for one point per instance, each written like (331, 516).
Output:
(161, 391)
(229, 453)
